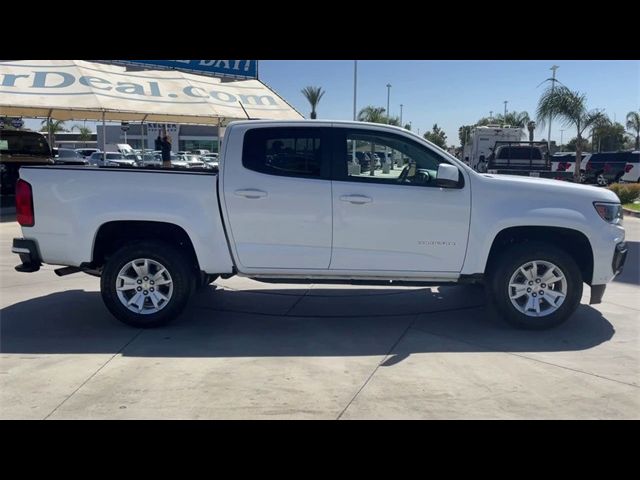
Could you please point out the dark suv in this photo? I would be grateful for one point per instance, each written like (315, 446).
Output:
(18, 148)
(606, 167)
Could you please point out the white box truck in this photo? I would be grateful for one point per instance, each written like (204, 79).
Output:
(482, 141)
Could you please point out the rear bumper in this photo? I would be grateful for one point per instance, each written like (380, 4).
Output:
(28, 251)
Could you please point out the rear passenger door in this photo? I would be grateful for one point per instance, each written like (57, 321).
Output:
(278, 197)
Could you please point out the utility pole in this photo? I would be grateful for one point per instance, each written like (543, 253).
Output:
(355, 87)
(386, 150)
(388, 97)
(553, 86)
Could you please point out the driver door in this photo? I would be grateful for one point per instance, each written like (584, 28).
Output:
(394, 219)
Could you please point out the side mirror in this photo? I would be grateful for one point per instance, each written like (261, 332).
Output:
(448, 176)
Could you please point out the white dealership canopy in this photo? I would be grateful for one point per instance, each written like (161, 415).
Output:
(80, 90)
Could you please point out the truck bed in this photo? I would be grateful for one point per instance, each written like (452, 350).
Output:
(72, 203)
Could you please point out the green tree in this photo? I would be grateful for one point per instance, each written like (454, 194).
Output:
(407, 127)
(571, 145)
(85, 133)
(515, 119)
(608, 136)
(437, 136)
(52, 127)
(464, 134)
(570, 107)
(633, 124)
(531, 126)
(313, 96)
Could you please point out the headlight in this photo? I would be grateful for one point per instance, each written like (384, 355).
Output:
(609, 212)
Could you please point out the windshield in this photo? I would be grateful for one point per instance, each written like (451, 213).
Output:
(64, 153)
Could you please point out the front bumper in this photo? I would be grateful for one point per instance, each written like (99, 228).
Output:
(28, 251)
(619, 257)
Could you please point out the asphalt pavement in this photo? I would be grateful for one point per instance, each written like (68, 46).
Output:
(248, 350)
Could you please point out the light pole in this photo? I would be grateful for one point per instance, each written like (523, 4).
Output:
(505, 110)
(561, 144)
(553, 86)
(388, 97)
(490, 115)
(355, 87)
(386, 150)
(401, 116)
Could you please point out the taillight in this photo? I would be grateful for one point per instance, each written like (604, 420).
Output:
(628, 167)
(24, 204)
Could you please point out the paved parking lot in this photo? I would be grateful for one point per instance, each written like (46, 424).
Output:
(252, 350)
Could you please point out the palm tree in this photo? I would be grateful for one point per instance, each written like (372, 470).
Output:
(531, 126)
(571, 108)
(372, 114)
(85, 133)
(515, 119)
(633, 123)
(313, 95)
(52, 127)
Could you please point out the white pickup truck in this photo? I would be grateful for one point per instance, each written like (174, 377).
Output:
(285, 207)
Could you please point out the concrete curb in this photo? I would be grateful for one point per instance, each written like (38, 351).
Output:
(631, 213)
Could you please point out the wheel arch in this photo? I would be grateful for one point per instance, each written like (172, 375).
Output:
(571, 241)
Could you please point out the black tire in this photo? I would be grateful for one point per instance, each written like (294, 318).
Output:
(518, 255)
(178, 266)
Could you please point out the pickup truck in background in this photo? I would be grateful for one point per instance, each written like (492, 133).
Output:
(19, 148)
(285, 207)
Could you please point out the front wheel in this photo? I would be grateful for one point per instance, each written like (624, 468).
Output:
(147, 284)
(536, 286)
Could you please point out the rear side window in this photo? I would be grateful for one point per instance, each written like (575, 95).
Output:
(288, 151)
(519, 153)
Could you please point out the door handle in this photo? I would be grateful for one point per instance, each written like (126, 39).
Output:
(356, 199)
(251, 193)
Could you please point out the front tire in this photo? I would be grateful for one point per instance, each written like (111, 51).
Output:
(147, 284)
(536, 286)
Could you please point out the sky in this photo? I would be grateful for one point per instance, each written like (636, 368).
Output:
(451, 93)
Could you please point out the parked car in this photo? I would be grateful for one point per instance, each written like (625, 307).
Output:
(632, 169)
(154, 238)
(199, 152)
(17, 149)
(66, 156)
(604, 168)
(111, 159)
(87, 152)
(194, 161)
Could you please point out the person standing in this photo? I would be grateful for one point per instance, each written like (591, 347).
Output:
(158, 143)
(165, 146)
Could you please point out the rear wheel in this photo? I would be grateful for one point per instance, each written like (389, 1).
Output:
(147, 284)
(536, 286)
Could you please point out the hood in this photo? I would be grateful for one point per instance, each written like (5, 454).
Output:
(549, 186)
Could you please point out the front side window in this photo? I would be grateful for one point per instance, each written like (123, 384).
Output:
(294, 151)
(378, 157)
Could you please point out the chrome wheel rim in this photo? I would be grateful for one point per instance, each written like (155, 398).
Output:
(601, 180)
(537, 288)
(144, 286)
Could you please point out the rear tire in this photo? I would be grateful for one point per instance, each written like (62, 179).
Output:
(147, 284)
(535, 286)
